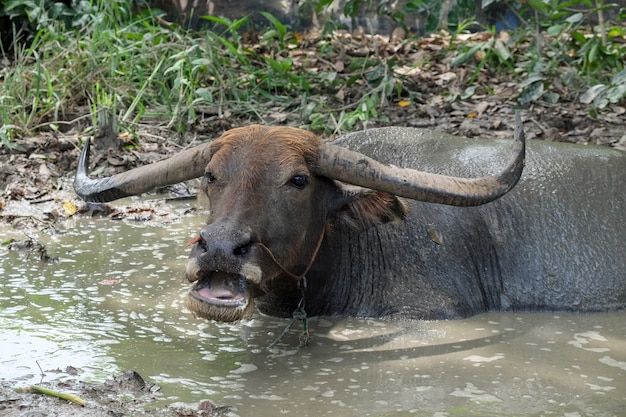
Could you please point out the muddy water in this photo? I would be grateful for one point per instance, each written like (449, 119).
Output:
(114, 302)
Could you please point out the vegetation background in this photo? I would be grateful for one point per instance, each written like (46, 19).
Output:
(84, 65)
(146, 83)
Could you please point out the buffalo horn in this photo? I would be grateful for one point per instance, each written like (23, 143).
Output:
(181, 167)
(355, 168)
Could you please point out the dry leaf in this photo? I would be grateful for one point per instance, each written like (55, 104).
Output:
(481, 107)
(435, 235)
(69, 208)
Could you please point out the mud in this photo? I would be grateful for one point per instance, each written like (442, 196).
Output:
(126, 394)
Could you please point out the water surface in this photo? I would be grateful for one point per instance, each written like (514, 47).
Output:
(114, 302)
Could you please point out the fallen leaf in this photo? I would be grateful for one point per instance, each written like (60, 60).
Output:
(481, 107)
(69, 208)
(445, 78)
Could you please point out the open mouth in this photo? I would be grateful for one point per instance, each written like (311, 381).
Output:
(221, 289)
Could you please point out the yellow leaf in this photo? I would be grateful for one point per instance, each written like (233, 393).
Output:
(472, 115)
(69, 208)
(404, 103)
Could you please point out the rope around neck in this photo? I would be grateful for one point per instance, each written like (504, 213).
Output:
(291, 274)
(299, 313)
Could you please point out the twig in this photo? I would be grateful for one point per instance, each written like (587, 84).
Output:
(37, 362)
(62, 395)
(601, 22)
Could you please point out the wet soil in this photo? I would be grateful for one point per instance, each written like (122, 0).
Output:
(35, 181)
(38, 173)
(126, 394)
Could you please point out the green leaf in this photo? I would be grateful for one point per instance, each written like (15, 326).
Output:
(613, 32)
(551, 97)
(594, 52)
(615, 94)
(217, 19)
(416, 6)
(557, 29)
(533, 78)
(201, 62)
(532, 93)
(563, 5)
(282, 29)
(232, 26)
(353, 79)
(175, 67)
(322, 4)
(205, 94)
(468, 92)
(559, 16)
(502, 51)
(575, 18)
(592, 93)
(600, 102)
(351, 8)
(233, 49)
(578, 37)
(619, 78)
(540, 6)
(270, 34)
(281, 66)
(467, 55)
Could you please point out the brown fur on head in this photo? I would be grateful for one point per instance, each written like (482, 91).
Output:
(264, 143)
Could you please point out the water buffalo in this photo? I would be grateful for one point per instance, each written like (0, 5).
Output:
(377, 240)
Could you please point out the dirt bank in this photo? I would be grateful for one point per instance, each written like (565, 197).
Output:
(126, 394)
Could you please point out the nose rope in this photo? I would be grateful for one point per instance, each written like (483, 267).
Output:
(299, 313)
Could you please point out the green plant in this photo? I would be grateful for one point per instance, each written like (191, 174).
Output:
(58, 16)
(564, 46)
(494, 52)
(440, 14)
(601, 95)
(6, 137)
(70, 48)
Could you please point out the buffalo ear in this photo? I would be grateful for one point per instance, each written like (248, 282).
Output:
(363, 208)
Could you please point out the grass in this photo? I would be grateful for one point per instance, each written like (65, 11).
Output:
(145, 72)
(149, 72)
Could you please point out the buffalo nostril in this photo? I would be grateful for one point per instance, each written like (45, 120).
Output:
(242, 250)
(201, 244)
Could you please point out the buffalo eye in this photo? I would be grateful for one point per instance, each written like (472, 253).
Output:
(209, 177)
(299, 181)
(206, 180)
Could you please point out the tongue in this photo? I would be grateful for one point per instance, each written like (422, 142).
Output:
(218, 292)
(223, 286)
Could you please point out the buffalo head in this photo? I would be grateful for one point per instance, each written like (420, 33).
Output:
(274, 195)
